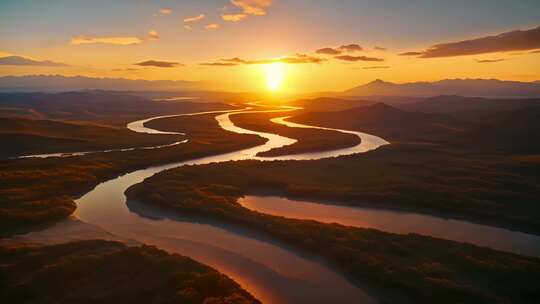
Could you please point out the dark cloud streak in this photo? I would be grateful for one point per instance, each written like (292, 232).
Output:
(22, 61)
(518, 40)
(490, 60)
(159, 64)
(357, 58)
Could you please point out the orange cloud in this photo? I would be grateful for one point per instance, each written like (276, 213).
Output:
(194, 18)
(153, 35)
(165, 11)
(379, 48)
(234, 17)
(212, 26)
(188, 27)
(105, 40)
(253, 7)
(294, 59)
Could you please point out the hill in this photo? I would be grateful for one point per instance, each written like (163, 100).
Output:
(507, 131)
(108, 107)
(462, 87)
(460, 104)
(388, 122)
(58, 83)
(38, 136)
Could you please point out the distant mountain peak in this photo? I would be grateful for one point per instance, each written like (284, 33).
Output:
(378, 82)
(491, 88)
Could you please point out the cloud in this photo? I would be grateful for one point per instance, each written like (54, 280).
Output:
(490, 60)
(518, 40)
(220, 64)
(294, 59)
(301, 58)
(357, 58)
(188, 27)
(165, 11)
(19, 60)
(212, 26)
(234, 17)
(159, 64)
(126, 70)
(410, 54)
(328, 51)
(194, 18)
(376, 67)
(350, 48)
(153, 35)
(535, 52)
(234, 60)
(105, 40)
(378, 48)
(252, 7)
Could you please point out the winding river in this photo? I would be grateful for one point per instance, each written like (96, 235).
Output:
(271, 272)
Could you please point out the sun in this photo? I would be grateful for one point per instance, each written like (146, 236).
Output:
(275, 73)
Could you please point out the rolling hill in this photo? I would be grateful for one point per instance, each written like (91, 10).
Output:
(462, 87)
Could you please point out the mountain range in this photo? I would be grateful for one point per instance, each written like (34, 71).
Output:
(462, 87)
(58, 83)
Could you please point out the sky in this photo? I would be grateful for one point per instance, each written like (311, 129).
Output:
(320, 45)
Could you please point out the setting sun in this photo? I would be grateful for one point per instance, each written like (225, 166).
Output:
(274, 75)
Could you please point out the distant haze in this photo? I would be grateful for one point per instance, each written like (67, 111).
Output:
(461, 87)
(56, 83)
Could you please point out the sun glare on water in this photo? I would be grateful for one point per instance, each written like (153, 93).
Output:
(274, 75)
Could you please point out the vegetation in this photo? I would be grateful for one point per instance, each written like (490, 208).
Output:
(508, 130)
(109, 108)
(420, 267)
(37, 190)
(481, 187)
(309, 140)
(38, 136)
(110, 272)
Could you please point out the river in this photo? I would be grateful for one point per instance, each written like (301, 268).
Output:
(271, 272)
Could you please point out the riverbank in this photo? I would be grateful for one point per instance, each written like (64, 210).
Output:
(448, 271)
(37, 191)
(110, 272)
(308, 140)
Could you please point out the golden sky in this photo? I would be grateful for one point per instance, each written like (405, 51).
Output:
(322, 45)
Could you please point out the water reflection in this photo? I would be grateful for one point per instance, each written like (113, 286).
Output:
(398, 222)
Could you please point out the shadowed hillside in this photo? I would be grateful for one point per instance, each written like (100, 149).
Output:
(463, 87)
(509, 131)
(29, 136)
(102, 107)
